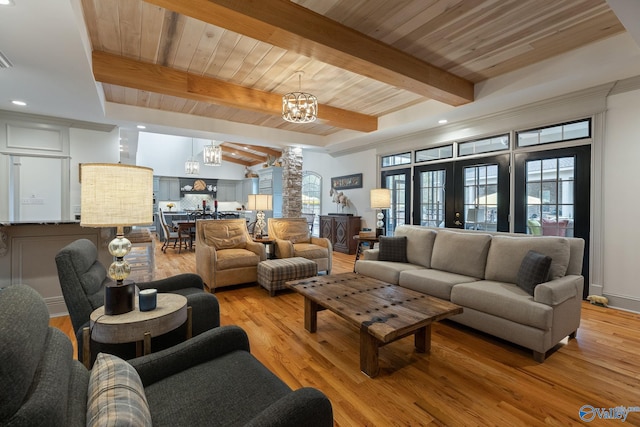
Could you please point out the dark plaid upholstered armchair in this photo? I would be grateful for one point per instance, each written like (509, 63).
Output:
(211, 379)
(82, 279)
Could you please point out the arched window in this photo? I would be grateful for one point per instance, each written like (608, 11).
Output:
(311, 197)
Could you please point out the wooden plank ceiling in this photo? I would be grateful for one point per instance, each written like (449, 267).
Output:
(233, 60)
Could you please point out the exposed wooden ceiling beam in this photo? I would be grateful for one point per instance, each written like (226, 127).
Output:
(235, 160)
(295, 28)
(118, 70)
(242, 153)
(266, 150)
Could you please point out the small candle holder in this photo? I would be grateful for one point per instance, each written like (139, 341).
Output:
(148, 299)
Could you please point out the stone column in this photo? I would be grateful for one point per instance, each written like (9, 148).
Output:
(291, 182)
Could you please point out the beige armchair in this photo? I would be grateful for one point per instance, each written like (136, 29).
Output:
(292, 239)
(225, 253)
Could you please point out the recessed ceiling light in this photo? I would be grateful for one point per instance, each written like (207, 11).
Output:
(141, 127)
(6, 3)
(442, 121)
(20, 103)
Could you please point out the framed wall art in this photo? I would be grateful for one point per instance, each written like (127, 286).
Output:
(347, 181)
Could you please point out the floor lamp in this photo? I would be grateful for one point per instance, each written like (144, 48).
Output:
(380, 199)
(116, 195)
(260, 203)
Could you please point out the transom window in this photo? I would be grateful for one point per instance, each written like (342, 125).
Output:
(486, 145)
(396, 159)
(556, 133)
(438, 153)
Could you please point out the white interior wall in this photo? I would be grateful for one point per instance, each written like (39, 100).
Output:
(89, 146)
(328, 167)
(620, 248)
(166, 154)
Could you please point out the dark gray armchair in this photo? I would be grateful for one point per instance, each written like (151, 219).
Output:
(82, 278)
(211, 379)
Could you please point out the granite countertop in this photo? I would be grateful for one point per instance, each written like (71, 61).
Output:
(36, 222)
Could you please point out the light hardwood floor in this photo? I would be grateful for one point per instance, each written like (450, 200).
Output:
(468, 378)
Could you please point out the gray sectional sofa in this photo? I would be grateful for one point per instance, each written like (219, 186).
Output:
(479, 271)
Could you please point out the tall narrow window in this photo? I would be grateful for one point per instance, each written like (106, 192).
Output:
(432, 198)
(550, 187)
(481, 197)
(311, 197)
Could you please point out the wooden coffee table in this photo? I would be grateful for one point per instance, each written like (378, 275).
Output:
(383, 312)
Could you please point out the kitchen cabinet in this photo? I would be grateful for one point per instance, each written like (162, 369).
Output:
(270, 182)
(168, 189)
(226, 191)
(340, 229)
(244, 188)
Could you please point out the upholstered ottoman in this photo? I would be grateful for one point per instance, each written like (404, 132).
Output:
(273, 273)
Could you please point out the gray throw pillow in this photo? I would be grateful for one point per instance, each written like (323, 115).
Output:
(534, 270)
(393, 249)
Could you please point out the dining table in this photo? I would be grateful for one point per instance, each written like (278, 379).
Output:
(185, 227)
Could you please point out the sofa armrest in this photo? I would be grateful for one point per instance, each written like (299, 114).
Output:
(370, 254)
(199, 349)
(321, 241)
(284, 248)
(173, 283)
(559, 290)
(307, 407)
(206, 258)
(258, 249)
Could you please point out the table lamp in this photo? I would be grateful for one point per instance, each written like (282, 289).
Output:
(380, 199)
(260, 203)
(116, 195)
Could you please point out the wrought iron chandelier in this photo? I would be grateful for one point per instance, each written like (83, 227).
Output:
(299, 107)
(212, 154)
(192, 166)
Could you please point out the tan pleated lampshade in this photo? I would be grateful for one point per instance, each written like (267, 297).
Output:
(114, 195)
(260, 202)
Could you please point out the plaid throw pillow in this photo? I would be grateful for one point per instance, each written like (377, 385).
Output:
(116, 396)
(393, 249)
(534, 270)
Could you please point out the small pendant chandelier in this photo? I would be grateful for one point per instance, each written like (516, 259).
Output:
(192, 166)
(212, 154)
(299, 107)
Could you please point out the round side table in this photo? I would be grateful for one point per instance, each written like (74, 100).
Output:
(137, 326)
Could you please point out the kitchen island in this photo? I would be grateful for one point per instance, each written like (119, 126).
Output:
(28, 250)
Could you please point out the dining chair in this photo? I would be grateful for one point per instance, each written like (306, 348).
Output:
(172, 236)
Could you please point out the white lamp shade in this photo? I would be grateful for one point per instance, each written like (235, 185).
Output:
(380, 198)
(260, 202)
(114, 195)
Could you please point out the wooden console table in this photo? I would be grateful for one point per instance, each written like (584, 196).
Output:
(340, 229)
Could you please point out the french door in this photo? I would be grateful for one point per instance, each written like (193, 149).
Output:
(470, 194)
(399, 182)
(552, 190)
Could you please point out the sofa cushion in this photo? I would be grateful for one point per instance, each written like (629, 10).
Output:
(236, 258)
(294, 231)
(461, 253)
(384, 270)
(393, 249)
(419, 243)
(507, 252)
(432, 282)
(310, 251)
(116, 395)
(534, 270)
(228, 236)
(503, 300)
